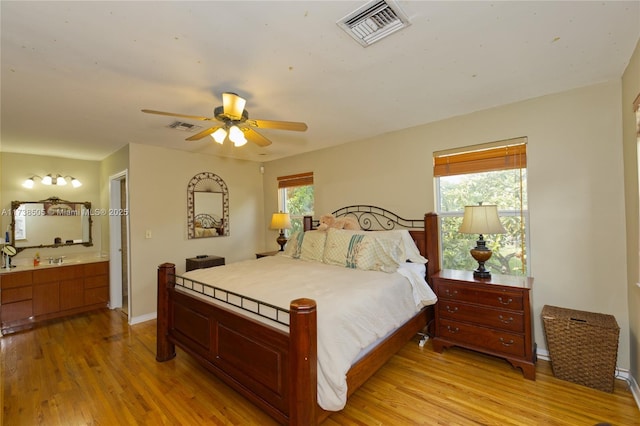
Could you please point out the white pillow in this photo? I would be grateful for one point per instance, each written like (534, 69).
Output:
(313, 245)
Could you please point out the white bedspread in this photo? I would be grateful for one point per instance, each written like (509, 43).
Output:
(354, 307)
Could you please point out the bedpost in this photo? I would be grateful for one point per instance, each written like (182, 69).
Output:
(432, 247)
(165, 349)
(307, 223)
(303, 360)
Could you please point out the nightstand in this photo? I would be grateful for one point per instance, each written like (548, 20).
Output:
(267, 253)
(490, 316)
(204, 262)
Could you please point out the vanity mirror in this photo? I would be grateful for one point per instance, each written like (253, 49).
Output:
(207, 206)
(50, 223)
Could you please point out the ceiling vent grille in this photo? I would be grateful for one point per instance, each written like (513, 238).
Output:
(185, 127)
(374, 21)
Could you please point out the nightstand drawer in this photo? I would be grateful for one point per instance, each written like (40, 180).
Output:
(504, 320)
(469, 293)
(482, 338)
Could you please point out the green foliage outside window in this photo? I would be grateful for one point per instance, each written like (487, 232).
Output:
(502, 188)
(299, 202)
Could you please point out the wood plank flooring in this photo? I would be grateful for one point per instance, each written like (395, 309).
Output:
(94, 369)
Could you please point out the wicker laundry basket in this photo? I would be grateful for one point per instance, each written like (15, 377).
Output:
(583, 346)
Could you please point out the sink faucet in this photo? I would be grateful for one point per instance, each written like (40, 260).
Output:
(56, 260)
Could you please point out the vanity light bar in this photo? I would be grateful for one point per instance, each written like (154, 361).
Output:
(50, 179)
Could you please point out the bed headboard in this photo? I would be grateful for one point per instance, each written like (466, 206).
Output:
(425, 232)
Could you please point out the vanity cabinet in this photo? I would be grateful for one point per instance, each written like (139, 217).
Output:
(31, 296)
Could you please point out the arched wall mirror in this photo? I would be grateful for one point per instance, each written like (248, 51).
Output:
(50, 223)
(207, 206)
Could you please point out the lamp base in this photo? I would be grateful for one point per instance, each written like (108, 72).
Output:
(481, 275)
(281, 240)
(481, 254)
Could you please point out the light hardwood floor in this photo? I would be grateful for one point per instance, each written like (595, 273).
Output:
(94, 369)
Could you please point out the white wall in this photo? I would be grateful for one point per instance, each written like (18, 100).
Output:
(575, 179)
(158, 179)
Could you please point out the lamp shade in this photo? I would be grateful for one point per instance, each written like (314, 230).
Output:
(28, 183)
(481, 220)
(280, 221)
(219, 135)
(237, 136)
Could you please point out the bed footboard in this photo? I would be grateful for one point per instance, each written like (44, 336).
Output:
(274, 369)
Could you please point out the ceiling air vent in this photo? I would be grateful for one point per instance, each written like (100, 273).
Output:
(186, 127)
(374, 21)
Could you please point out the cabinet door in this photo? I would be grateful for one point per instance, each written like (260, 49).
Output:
(71, 293)
(46, 298)
(97, 295)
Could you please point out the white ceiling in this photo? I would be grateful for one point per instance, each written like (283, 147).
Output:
(74, 75)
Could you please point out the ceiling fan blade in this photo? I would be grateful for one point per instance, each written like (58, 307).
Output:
(233, 105)
(173, 114)
(202, 134)
(255, 137)
(281, 125)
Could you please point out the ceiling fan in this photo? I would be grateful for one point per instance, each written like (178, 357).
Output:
(235, 123)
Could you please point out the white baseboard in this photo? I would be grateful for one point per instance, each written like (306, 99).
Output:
(143, 318)
(621, 374)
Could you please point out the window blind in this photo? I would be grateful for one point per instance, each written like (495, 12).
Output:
(503, 155)
(300, 179)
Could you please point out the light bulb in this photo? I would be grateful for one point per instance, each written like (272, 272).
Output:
(28, 183)
(75, 182)
(60, 181)
(219, 135)
(47, 180)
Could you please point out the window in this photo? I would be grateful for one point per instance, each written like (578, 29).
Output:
(295, 196)
(492, 174)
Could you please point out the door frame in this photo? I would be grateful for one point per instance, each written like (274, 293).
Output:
(115, 240)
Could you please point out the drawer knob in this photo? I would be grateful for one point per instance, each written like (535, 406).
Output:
(505, 302)
(505, 343)
(452, 329)
(450, 293)
(451, 310)
(505, 320)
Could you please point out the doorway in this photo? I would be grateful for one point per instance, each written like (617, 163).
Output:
(119, 242)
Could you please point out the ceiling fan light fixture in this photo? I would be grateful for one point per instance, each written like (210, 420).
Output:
(237, 136)
(219, 135)
(233, 105)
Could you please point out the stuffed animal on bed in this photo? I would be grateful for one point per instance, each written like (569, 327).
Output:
(326, 222)
(329, 221)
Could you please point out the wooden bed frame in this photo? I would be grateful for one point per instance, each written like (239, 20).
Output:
(274, 369)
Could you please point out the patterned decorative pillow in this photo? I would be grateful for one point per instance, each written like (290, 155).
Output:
(292, 249)
(313, 245)
(409, 249)
(363, 251)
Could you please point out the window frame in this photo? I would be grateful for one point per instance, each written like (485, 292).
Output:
(292, 181)
(486, 159)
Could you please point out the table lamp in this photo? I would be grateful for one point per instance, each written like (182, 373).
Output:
(481, 220)
(281, 221)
